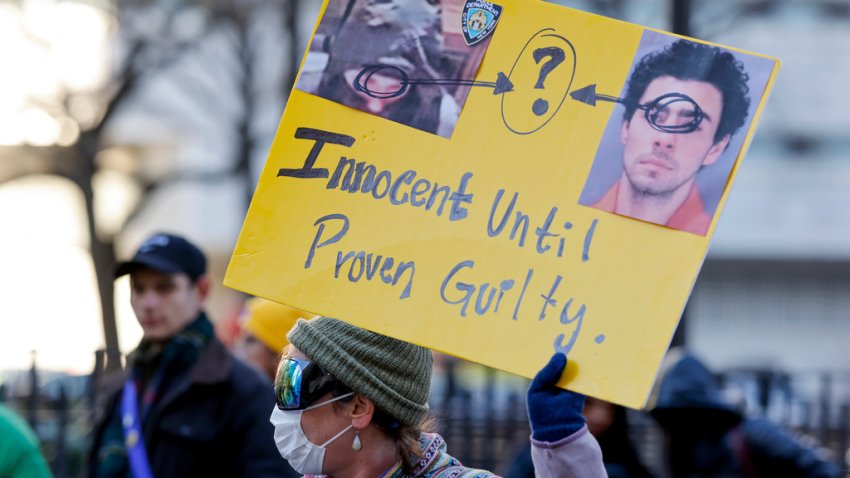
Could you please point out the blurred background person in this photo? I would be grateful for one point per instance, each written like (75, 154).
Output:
(708, 436)
(608, 422)
(20, 454)
(263, 335)
(185, 406)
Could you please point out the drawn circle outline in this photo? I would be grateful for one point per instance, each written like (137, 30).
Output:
(566, 92)
(686, 128)
(361, 83)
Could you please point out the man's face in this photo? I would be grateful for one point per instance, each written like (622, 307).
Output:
(165, 303)
(659, 163)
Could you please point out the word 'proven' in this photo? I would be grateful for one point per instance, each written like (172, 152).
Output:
(361, 265)
(353, 176)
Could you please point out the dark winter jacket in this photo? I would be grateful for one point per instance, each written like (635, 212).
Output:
(709, 437)
(214, 422)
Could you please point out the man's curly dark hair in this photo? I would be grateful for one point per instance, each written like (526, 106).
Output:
(687, 60)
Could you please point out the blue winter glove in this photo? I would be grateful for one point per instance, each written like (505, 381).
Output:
(554, 413)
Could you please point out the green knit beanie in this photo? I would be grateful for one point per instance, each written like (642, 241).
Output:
(393, 374)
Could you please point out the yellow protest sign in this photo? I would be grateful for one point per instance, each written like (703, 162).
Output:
(502, 180)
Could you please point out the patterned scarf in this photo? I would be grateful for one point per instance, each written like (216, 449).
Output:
(434, 462)
(155, 367)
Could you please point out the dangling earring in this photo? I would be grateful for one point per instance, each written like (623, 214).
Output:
(356, 445)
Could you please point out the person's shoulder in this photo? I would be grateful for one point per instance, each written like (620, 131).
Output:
(15, 428)
(766, 437)
(240, 386)
(761, 428)
(218, 365)
(20, 452)
(691, 215)
(462, 472)
(608, 201)
(247, 375)
(248, 383)
(435, 462)
(772, 444)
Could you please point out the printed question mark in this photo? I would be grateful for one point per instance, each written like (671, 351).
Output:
(556, 56)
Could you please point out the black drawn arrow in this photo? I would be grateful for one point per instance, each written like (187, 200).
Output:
(361, 82)
(656, 111)
(588, 96)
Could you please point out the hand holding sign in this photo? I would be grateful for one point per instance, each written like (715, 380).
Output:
(554, 413)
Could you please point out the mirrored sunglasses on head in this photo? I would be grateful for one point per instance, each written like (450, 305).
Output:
(299, 383)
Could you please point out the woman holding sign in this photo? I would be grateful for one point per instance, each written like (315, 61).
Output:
(353, 403)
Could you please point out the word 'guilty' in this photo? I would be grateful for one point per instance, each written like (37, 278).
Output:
(486, 298)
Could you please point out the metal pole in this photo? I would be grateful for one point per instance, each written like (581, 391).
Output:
(94, 382)
(680, 17)
(32, 400)
(60, 464)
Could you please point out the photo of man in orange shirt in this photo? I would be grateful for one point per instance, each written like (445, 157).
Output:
(682, 104)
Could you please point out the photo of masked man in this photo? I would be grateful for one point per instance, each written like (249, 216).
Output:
(411, 39)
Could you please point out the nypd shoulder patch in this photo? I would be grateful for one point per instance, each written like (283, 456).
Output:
(478, 20)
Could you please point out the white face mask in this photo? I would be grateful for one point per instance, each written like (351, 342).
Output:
(303, 456)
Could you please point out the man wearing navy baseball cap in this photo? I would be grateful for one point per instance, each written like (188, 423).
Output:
(168, 283)
(185, 407)
(167, 253)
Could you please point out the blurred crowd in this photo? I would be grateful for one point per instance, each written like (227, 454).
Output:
(314, 396)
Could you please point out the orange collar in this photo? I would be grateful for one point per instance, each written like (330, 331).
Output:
(690, 216)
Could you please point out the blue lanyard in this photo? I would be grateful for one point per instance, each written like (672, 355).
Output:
(133, 439)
